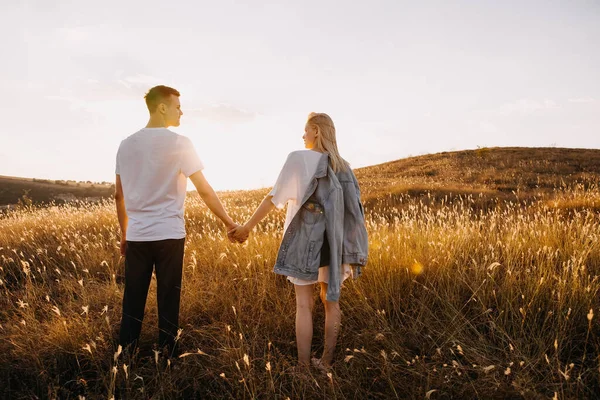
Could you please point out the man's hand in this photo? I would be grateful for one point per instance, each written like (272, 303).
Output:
(123, 245)
(239, 234)
(231, 227)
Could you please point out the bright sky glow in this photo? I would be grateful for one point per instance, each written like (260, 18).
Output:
(398, 78)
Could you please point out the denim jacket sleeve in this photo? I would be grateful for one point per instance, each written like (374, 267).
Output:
(355, 243)
(346, 217)
(334, 210)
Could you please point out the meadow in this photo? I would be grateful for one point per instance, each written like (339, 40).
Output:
(474, 289)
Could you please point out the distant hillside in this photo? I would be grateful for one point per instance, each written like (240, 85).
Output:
(506, 173)
(44, 191)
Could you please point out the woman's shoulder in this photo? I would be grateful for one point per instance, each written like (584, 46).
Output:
(304, 155)
(301, 161)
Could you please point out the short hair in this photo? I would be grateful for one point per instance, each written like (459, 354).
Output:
(159, 94)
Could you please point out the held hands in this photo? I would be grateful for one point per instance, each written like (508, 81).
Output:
(239, 234)
(230, 227)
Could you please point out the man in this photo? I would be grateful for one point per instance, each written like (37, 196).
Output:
(152, 169)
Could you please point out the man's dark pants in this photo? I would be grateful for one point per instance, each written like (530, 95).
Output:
(140, 259)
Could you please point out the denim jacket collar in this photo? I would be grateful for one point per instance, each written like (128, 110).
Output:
(321, 172)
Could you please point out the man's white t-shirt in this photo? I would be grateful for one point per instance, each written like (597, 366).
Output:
(293, 181)
(154, 164)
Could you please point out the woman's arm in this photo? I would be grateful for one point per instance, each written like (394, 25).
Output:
(285, 189)
(241, 233)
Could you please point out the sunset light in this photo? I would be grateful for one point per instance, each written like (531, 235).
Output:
(400, 79)
(300, 199)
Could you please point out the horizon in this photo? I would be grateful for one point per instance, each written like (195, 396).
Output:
(398, 79)
(192, 189)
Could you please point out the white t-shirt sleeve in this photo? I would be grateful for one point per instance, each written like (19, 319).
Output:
(117, 164)
(190, 162)
(288, 183)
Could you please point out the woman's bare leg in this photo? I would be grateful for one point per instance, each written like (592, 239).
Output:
(304, 324)
(333, 318)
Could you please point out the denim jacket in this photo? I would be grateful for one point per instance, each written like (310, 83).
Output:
(331, 206)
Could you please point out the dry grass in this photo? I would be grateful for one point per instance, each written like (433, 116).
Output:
(457, 301)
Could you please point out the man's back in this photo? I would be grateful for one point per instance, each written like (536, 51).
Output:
(150, 185)
(153, 165)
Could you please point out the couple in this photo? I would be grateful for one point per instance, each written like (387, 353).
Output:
(324, 241)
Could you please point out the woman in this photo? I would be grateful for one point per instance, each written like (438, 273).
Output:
(325, 238)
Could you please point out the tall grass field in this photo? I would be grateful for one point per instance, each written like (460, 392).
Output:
(470, 291)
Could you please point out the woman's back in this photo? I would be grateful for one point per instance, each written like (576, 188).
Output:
(293, 181)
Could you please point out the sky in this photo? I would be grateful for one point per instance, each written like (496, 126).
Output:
(399, 79)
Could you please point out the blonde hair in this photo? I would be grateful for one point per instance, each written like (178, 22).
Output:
(326, 140)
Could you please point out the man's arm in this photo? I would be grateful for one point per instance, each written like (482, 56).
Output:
(121, 213)
(211, 199)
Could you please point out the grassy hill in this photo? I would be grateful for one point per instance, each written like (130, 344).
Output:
(489, 170)
(487, 176)
(491, 173)
(12, 189)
